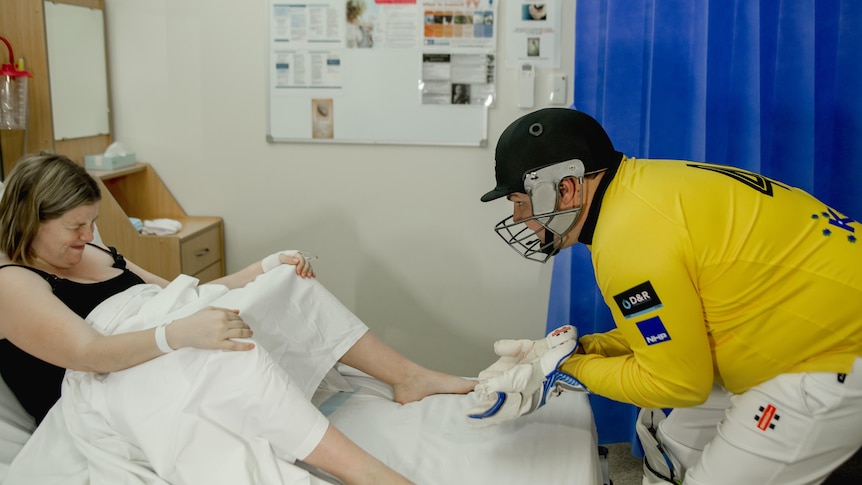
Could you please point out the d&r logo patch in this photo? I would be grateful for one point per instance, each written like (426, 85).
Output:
(638, 300)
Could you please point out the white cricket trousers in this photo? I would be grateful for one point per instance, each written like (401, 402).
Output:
(792, 429)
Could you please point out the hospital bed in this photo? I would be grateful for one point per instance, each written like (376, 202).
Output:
(427, 441)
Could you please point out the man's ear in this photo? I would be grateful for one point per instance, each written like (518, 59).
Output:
(567, 188)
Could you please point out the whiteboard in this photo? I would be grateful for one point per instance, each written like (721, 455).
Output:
(76, 60)
(399, 91)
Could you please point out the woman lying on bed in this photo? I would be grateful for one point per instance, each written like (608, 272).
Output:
(52, 276)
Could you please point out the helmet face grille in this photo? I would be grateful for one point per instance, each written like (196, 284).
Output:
(524, 240)
(542, 186)
(539, 245)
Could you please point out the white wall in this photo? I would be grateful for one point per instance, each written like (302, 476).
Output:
(403, 240)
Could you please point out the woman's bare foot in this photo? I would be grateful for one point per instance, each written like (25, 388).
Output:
(427, 382)
(409, 380)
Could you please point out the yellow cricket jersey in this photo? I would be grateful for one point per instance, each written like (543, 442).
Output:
(713, 271)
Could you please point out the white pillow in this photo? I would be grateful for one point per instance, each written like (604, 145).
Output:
(12, 413)
(16, 426)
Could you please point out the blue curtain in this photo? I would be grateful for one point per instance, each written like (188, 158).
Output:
(771, 86)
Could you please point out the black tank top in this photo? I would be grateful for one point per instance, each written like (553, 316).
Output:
(37, 383)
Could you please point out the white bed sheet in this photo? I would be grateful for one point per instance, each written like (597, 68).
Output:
(427, 441)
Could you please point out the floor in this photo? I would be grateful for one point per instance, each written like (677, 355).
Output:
(625, 469)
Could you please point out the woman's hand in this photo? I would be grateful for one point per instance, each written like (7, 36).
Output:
(293, 258)
(210, 328)
(302, 263)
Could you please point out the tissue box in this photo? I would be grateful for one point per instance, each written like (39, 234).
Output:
(109, 161)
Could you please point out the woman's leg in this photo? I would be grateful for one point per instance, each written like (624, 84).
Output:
(352, 464)
(409, 380)
(306, 330)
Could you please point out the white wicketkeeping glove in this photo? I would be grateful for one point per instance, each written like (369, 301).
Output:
(523, 351)
(524, 377)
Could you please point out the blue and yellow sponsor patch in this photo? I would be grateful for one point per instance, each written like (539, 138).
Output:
(638, 300)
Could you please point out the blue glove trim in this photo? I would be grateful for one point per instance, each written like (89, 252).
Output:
(557, 379)
(557, 376)
(567, 379)
(549, 384)
(501, 398)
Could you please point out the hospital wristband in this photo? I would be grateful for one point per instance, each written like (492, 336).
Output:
(273, 261)
(162, 339)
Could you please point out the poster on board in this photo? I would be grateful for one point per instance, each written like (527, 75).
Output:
(384, 71)
(533, 34)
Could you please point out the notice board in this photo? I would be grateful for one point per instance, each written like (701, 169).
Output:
(384, 71)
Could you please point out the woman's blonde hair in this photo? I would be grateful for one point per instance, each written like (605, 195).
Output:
(40, 188)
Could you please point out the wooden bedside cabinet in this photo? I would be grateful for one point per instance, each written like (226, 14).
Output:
(137, 191)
